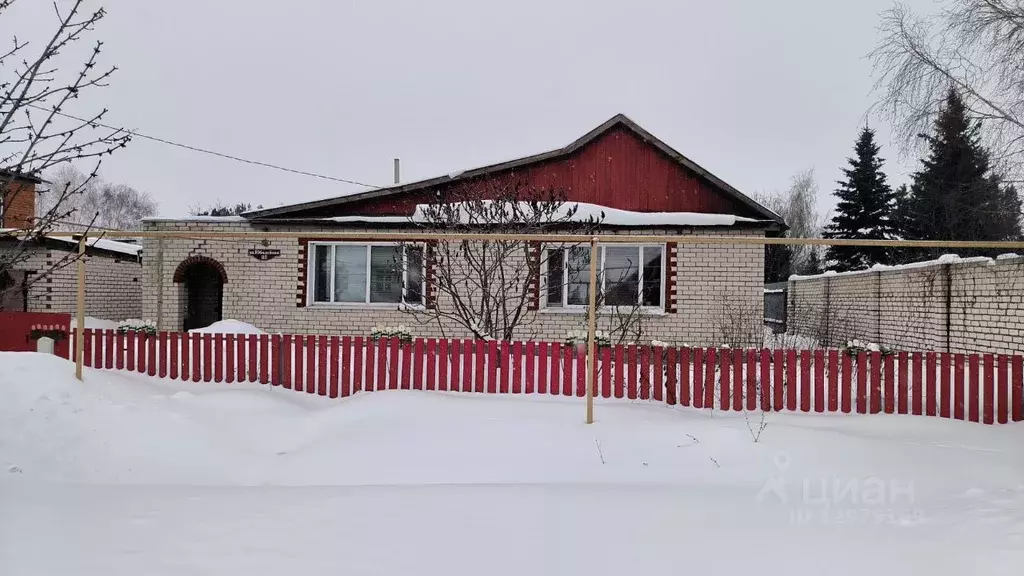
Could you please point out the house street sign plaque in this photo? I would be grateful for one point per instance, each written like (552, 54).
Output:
(264, 254)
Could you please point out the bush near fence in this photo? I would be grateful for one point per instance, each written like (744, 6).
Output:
(979, 388)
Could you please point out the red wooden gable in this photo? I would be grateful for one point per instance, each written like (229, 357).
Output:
(618, 165)
(617, 170)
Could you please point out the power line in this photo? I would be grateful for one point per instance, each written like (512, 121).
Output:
(210, 152)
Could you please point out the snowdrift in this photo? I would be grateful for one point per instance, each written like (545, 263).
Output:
(242, 478)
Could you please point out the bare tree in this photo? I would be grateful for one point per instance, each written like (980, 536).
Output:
(218, 208)
(37, 130)
(106, 205)
(973, 46)
(798, 207)
(487, 287)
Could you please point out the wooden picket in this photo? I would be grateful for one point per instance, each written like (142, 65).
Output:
(791, 381)
(389, 355)
(517, 367)
(631, 371)
(467, 366)
(875, 384)
(989, 389)
(417, 367)
(441, 368)
(805, 381)
(336, 366)
(698, 378)
(1017, 395)
(348, 365)
(358, 354)
(974, 388)
(506, 368)
(241, 358)
(321, 366)
(297, 356)
(172, 373)
(862, 383)
(1002, 393)
(724, 381)
(556, 368)
(766, 381)
(819, 381)
(890, 384)
(658, 384)
(958, 387)
(405, 380)
(530, 368)
(752, 379)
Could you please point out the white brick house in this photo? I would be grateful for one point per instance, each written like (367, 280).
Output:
(312, 284)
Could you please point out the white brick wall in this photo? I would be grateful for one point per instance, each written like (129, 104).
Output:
(715, 284)
(113, 284)
(960, 307)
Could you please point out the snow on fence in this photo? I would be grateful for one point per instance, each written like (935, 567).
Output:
(979, 388)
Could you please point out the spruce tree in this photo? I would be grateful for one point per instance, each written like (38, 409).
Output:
(955, 195)
(904, 226)
(864, 211)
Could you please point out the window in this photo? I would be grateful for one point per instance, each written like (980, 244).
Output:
(628, 276)
(366, 274)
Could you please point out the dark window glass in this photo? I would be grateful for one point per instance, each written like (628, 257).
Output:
(578, 270)
(621, 276)
(414, 275)
(556, 276)
(322, 274)
(349, 273)
(652, 276)
(385, 274)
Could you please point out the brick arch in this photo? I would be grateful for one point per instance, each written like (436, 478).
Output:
(179, 272)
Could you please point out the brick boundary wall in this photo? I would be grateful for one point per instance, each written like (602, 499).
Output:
(714, 285)
(113, 284)
(972, 305)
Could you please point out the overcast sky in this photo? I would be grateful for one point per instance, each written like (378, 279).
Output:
(754, 91)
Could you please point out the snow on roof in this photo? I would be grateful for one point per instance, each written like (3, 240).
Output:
(102, 244)
(944, 259)
(196, 219)
(369, 219)
(98, 243)
(612, 216)
(583, 212)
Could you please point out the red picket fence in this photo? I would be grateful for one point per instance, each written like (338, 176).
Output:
(976, 387)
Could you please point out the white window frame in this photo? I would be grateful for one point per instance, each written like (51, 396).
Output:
(311, 277)
(601, 277)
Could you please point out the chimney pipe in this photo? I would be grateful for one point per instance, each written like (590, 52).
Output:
(397, 173)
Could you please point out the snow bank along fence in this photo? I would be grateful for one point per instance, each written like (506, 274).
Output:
(984, 388)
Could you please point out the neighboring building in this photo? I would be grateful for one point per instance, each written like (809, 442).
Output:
(43, 276)
(687, 290)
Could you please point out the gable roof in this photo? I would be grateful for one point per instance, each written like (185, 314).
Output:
(112, 247)
(619, 120)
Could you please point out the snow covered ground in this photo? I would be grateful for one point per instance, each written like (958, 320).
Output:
(126, 474)
(229, 327)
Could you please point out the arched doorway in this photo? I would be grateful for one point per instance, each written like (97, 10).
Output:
(203, 279)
